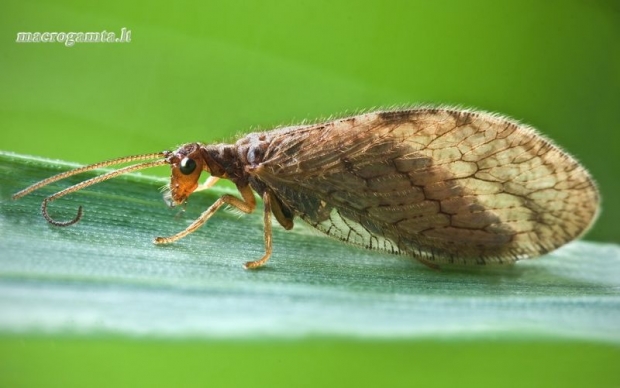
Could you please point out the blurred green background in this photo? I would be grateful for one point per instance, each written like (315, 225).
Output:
(210, 71)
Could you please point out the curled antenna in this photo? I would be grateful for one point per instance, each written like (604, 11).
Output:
(89, 182)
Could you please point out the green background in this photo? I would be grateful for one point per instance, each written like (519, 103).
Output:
(210, 71)
(207, 72)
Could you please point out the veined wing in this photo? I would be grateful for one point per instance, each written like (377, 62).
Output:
(444, 185)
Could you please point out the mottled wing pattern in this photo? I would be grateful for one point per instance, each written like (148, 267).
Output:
(445, 186)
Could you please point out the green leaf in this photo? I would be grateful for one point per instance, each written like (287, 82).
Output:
(104, 275)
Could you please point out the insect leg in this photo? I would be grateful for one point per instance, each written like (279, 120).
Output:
(208, 184)
(284, 218)
(267, 220)
(246, 205)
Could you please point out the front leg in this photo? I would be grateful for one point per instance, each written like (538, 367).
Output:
(246, 205)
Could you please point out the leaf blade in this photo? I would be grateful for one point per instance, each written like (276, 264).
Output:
(104, 275)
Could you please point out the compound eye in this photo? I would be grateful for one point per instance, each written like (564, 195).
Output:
(187, 166)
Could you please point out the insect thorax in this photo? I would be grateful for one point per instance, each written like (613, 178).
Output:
(233, 161)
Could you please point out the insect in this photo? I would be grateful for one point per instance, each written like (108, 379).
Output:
(444, 186)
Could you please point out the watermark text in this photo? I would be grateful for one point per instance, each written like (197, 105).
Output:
(71, 38)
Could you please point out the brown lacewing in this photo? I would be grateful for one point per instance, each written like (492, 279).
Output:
(444, 186)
